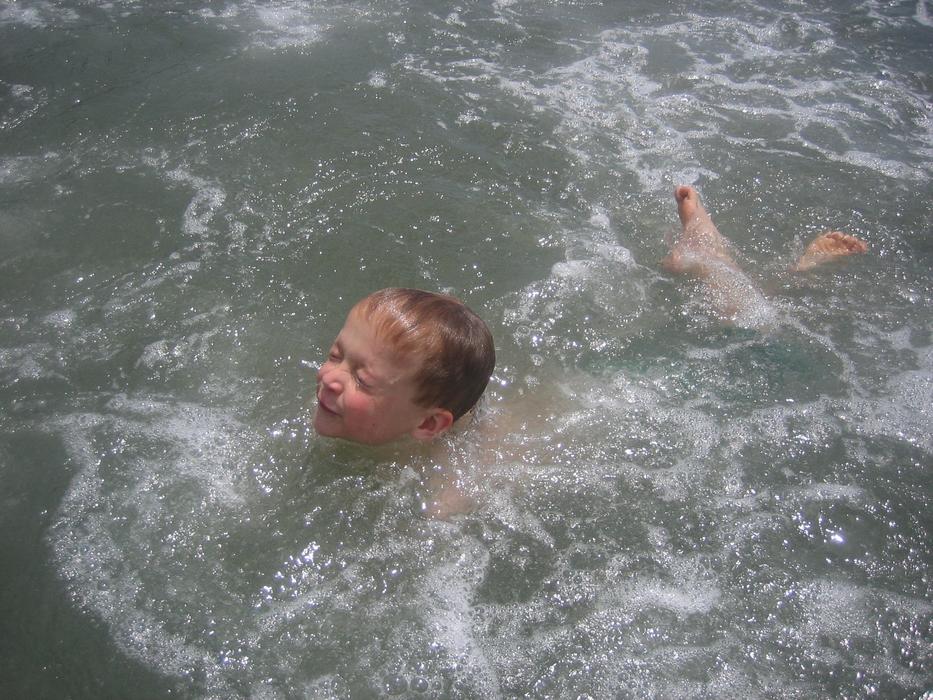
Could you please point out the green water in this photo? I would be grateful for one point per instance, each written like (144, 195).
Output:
(193, 195)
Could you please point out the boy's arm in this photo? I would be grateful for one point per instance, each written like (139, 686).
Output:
(447, 499)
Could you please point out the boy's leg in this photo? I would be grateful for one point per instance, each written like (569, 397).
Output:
(704, 253)
(700, 244)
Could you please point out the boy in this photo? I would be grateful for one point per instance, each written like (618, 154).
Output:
(407, 362)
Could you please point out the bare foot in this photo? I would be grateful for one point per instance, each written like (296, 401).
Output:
(688, 204)
(829, 246)
(700, 242)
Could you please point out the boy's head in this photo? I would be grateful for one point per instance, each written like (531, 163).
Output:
(407, 362)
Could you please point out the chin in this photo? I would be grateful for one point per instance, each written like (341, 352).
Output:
(322, 426)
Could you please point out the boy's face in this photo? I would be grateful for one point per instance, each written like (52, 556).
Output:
(365, 390)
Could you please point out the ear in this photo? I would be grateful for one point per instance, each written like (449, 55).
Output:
(436, 422)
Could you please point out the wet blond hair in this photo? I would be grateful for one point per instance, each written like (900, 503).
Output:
(452, 345)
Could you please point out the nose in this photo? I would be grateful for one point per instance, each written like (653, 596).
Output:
(331, 377)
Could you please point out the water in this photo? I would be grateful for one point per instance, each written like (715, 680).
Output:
(668, 506)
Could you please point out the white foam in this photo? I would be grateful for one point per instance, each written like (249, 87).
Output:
(155, 353)
(922, 15)
(229, 11)
(689, 597)
(279, 25)
(207, 200)
(904, 413)
(26, 168)
(110, 525)
(594, 274)
(886, 166)
(31, 362)
(288, 25)
(840, 618)
(61, 319)
(607, 96)
(39, 14)
(377, 79)
(92, 562)
(24, 102)
(450, 618)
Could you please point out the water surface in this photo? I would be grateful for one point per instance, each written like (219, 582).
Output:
(193, 194)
